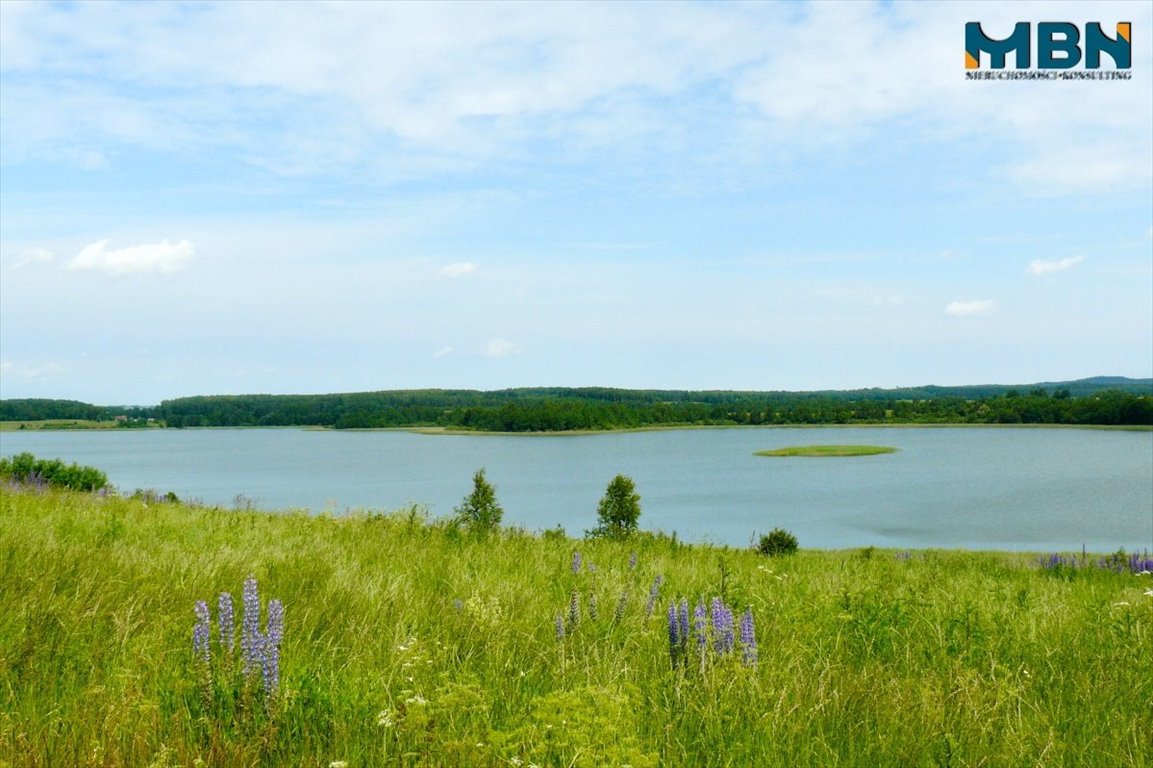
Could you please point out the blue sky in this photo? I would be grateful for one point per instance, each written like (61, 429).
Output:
(211, 198)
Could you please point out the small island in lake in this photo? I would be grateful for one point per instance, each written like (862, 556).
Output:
(829, 450)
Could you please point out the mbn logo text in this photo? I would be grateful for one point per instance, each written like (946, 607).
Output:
(1058, 45)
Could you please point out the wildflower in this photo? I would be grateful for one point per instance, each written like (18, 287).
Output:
(384, 719)
(227, 623)
(576, 561)
(722, 620)
(622, 605)
(632, 560)
(592, 603)
(683, 621)
(654, 590)
(748, 637)
(700, 620)
(560, 627)
(338, 764)
(251, 642)
(674, 629)
(201, 632)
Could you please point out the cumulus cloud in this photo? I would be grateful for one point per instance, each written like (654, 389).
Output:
(1043, 266)
(969, 308)
(500, 348)
(146, 257)
(460, 269)
(33, 256)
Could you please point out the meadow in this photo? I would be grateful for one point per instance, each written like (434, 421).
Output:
(388, 639)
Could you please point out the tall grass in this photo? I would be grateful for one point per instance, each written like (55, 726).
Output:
(411, 643)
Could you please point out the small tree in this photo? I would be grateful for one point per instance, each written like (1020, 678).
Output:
(777, 542)
(479, 509)
(619, 509)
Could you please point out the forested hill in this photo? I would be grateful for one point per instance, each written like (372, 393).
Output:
(1097, 401)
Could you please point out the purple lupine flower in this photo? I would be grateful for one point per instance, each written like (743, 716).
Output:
(700, 624)
(559, 627)
(632, 561)
(251, 641)
(722, 619)
(748, 637)
(593, 605)
(622, 605)
(683, 621)
(576, 561)
(202, 632)
(227, 623)
(270, 667)
(275, 630)
(676, 641)
(654, 590)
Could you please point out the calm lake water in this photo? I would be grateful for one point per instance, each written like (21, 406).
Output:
(1007, 488)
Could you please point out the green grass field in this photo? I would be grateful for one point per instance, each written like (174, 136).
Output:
(829, 450)
(410, 643)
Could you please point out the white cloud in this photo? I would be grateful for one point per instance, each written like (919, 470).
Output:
(459, 269)
(431, 86)
(443, 352)
(500, 348)
(146, 257)
(969, 308)
(33, 256)
(21, 371)
(1043, 266)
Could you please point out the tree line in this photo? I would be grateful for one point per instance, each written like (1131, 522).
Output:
(562, 409)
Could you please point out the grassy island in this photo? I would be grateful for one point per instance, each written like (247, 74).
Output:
(391, 639)
(829, 450)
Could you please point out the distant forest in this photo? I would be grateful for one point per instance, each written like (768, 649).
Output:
(1105, 401)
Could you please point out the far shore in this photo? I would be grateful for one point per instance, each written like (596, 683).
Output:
(66, 425)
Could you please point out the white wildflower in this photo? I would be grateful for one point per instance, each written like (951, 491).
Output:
(384, 719)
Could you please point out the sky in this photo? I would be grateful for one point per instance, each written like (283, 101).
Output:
(246, 197)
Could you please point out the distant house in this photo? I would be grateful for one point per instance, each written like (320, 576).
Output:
(121, 419)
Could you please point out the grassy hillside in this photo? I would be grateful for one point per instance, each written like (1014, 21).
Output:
(409, 643)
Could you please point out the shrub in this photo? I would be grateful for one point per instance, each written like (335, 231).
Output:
(619, 510)
(26, 468)
(777, 542)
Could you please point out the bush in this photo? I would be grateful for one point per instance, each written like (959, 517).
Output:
(619, 510)
(777, 542)
(479, 510)
(26, 468)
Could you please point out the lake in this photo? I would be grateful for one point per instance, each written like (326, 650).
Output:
(973, 488)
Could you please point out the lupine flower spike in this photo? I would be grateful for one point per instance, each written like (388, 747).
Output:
(748, 638)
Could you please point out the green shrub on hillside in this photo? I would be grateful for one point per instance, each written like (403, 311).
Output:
(777, 542)
(26, 468)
